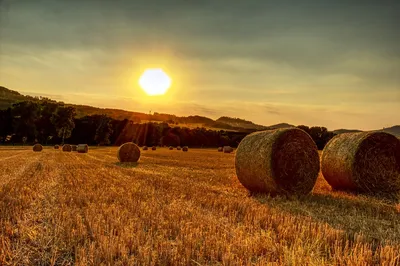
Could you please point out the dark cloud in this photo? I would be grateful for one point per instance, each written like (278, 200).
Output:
(201, 109)
(313, 37)
(312, 51)
(238, 23)
(272, 110)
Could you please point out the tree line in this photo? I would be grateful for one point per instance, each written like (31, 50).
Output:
(49, 122)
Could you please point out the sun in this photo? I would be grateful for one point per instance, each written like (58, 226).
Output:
(155, 81)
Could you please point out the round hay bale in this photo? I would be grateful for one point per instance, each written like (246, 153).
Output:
(185, 148)
(154, 148)
(145, 148)
(179, 148)
(66, 148)
(363, 162)
(171, 148)
(282, 161)
(56, 147)
(220, 149)
(73, 147)
(82, 148)
(227, 149)
(128, 153)
(37, 147)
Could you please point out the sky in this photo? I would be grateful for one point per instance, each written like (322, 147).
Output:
(325, 63)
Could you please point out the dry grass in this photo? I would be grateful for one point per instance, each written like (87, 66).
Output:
(61, 208)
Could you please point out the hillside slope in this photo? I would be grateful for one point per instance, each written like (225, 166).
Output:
(237, 122)
(395, 130)
(9, 97)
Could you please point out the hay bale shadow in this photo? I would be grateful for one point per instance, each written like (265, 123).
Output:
(126, 165)
(353, 215)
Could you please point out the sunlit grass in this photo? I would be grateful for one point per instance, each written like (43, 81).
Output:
(177, 208)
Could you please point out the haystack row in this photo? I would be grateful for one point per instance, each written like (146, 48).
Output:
(128, 152)
(363, 162)
(282, 161)
(37, 147)
(82, 148)
(227, 149)
(66, 148)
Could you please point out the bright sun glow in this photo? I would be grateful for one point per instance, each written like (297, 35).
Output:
(155, 81)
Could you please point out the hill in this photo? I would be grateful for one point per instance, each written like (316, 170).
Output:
(241, 123)
(9, 97)
(340, 131)
(395, 130)
(281, 125)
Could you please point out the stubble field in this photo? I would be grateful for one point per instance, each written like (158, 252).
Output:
(177, 208)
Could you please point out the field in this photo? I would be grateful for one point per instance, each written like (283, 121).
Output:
(177, 208)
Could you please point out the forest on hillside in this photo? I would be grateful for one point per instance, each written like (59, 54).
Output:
(50, 122)
(9, 97)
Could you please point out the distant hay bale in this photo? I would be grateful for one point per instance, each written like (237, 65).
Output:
(366, 162)
(145, 148)
(185, 148)
(128, 153)
(179, 148)
(73, 147)
(171, 148)
(154, 148)
(37, 147)
(282, 161)
(66, 148)
(220, 149)
(82, 148)
(227, 149)
(56, 147)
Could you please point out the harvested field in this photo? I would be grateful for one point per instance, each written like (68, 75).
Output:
(177, 209)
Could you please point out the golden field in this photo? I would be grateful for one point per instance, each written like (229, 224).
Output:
(177, 208)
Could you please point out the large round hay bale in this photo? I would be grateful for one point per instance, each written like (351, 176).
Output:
(179, 148)
(282, 161)
(171, 148)
(128, 152)
(363, 162)
(227, 149)
(37, 147)
(145, 148)
(56, 147)
(73, 147)
(67, 148)
(154, 148)
(82, 148)
(185, 148)
(220, 149)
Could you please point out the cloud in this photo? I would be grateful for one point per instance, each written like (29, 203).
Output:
(315, 61)
(57, 97)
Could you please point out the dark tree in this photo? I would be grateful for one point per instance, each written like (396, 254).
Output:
(305, 128)
(25, 115)
(6, 124)
(63, 121)
(44, 125)
(103, 131)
